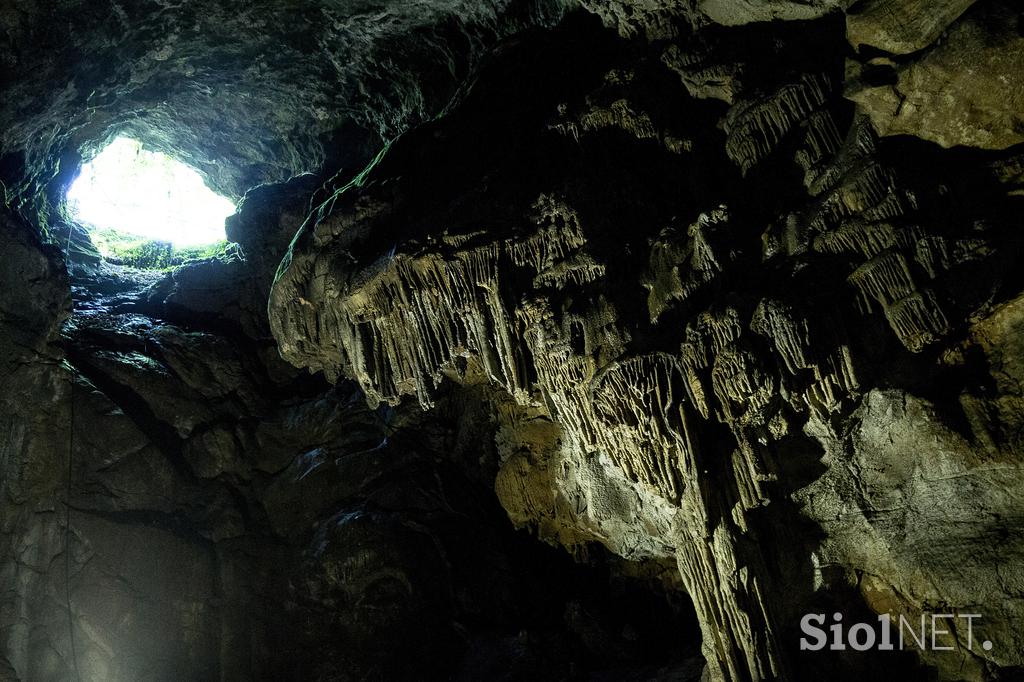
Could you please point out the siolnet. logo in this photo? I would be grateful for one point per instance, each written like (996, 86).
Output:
(880, 637)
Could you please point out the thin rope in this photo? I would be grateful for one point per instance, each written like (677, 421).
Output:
(67, 531)
(67, 497)
(67, 249)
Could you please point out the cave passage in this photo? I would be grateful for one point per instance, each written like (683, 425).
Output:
(127, 196)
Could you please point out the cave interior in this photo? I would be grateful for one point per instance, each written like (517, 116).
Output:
(542, 340)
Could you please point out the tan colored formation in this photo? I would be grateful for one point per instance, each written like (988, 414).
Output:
(569, 393)
(417, 318)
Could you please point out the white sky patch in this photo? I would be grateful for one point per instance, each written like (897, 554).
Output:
(149, 194)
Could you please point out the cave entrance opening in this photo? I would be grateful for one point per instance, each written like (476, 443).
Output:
(146, 208)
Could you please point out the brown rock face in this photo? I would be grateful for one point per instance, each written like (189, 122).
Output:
(966, 90)
(901, 27)
(651, 329)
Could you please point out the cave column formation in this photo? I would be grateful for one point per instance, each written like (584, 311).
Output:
(717, 301)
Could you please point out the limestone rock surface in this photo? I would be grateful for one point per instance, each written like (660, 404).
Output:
(901, 26)
(595, 342)
(965, 90)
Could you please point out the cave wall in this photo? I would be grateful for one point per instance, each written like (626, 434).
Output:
(719, 296)
(724, 316)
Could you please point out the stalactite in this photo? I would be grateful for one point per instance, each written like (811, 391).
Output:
(824, 354)
(739, 636)
(714, 366)
(867, 238)
(663, 279)
(620, 115)
(533, 319)
(915, 315)
(640, 405)
(885, 278)
(931, 253)
(917, 319)
(676, 270)
(788, 332)
(754, 129)
(742, 387)
(701, 76)
(821, 142)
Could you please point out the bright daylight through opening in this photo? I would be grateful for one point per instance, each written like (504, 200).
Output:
(127, 192)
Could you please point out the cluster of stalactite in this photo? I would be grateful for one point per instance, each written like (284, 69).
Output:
(760, 363)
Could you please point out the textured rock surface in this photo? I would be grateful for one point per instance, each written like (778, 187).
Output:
(669, 286)
(966, 90)
(901, 27)
(735, 12)
(700, 399)
(900, 472)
